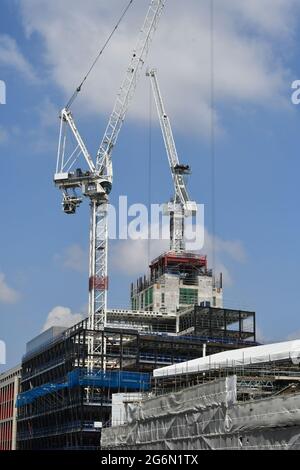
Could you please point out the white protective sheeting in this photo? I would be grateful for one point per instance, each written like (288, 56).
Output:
(120, 404)
(237, 357)
(208, 417)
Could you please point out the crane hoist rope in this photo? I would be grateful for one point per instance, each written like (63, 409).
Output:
(78, 89)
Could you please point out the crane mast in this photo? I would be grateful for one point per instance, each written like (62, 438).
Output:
(98, 275)
(96, 182)
(181, 206)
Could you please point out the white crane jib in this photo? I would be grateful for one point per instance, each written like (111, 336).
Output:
(181, 206)
(96, 182)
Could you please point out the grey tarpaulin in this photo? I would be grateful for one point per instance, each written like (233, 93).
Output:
(208, 416)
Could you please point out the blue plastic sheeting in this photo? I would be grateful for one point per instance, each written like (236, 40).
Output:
(81, 377)
(119, 380)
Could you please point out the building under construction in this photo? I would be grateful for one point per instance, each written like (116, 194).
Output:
(64, 404)
(177, 279)
(71, 377)
(247, 399)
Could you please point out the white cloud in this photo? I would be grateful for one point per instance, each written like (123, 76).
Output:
(74, 258)
(218, 249)
(40, 138)
(132, 257)
(62, 316)
(11, 56)
(8, 295)
(48, 114)
(248, 62)
(271, 17)
(232, 248)
(3, 135)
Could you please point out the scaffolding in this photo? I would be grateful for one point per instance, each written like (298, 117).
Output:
(187, 266)
(63, 405)
(245, 407)
(86, 378)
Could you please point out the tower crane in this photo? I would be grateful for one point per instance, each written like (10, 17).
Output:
(181, 206)
(95, 182)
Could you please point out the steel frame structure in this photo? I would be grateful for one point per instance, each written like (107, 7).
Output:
(64, 417)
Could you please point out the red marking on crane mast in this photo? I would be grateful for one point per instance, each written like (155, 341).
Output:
(98, 283)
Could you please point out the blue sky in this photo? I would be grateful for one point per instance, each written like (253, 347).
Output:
(46, 47)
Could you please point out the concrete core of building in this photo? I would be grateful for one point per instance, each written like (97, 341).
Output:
(177, 280)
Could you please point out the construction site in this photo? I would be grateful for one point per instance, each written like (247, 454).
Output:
(238, 400)
(64, 404)
(176, 371)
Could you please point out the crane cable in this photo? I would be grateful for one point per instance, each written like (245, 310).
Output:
(150, 133)
(78, 89)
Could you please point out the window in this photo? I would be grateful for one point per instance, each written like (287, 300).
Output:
(188, 296)
(163, 298)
